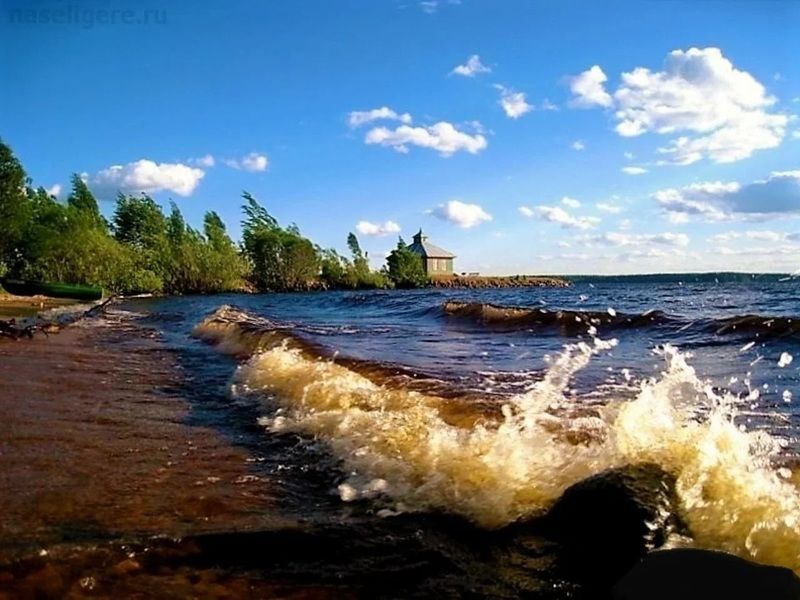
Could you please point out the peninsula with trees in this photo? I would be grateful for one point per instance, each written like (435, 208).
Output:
(140, 249)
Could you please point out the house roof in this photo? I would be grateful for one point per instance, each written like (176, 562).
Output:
(424, 248)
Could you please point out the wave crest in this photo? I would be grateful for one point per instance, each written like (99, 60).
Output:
(415, 451)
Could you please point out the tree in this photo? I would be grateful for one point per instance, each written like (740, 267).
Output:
(83, 201)
(14, 207)
(405, 267)
(333, 269)
(281, 259)
(138, 221)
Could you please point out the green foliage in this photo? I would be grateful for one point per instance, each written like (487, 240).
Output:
(83, 201)
(337, 272)
(144, 250)
(405, 267)
(280, 259)
(14, 207)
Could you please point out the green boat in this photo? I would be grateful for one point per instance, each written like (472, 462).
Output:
(52, 290)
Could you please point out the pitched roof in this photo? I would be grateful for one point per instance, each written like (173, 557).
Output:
(424, 248)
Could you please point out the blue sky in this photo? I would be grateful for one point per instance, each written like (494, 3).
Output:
(526, 137)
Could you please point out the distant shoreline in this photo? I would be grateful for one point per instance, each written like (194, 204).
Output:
(490, 282)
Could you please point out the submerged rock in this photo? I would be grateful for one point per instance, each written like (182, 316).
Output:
(690, 574)
(608, 522)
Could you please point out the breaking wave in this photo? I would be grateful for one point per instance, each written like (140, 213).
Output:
(573, 322)
(409, 450)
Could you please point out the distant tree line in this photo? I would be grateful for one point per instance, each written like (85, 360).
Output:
(141, 249)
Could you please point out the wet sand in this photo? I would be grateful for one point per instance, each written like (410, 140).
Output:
(94, 446)
(27, 306)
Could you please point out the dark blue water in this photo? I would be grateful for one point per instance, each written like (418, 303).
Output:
(425, 393)
(735, 333)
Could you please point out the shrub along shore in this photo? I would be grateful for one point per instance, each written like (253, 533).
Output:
(142, 250)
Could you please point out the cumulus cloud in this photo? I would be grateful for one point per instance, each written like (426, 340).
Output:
(526, 211)
(633, 170)
(776, 196)
(429, 7)
(759, 235)
(570, 202)
(609, 208)
(357, 118)
(723, 112)
(461, 214)
(472, 67)
(442, 137)
(556, 214)
(253, 162)
(617, 239)
(206, 161)
(514, 103)
(146, 176)
(629, 155)
(588, 89)
(578, 145)
(547, 105)
(54, 190)
(377, 229)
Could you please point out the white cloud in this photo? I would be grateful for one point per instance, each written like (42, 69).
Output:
(146, 176)
(633, 170)
(377, 229)
(768, 251)
(570, 202)
(253, 162)
(629, 155)
(461, 214)
(547, 105)
(472, 67)
(588, 90)
(514, 103)
(526, 211)
(442, 137)
(759, 235)
(429, 6)
(796, 134)
(723, 112)
(206, 161)
(556, 214)
(54, 190)
(678, 240)
(578, 145)
(609, 208)
(357, 118)
(776, 196)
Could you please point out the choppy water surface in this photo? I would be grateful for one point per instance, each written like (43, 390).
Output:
(411, 432)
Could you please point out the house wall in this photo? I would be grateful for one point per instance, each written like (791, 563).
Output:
(439, 266)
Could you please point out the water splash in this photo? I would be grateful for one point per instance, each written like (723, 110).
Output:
(413, 451)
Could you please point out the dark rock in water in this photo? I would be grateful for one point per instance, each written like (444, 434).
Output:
(608, 522)
(690, 574)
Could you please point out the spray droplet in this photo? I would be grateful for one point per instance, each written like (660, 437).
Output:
(785, 360)
(612, 312)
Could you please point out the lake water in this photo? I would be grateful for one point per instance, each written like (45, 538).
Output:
(410, 432)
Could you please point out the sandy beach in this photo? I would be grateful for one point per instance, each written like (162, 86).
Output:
(27, 306)
(95, 446)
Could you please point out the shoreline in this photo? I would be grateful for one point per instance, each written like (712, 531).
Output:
(20, 307)
(99, 443)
